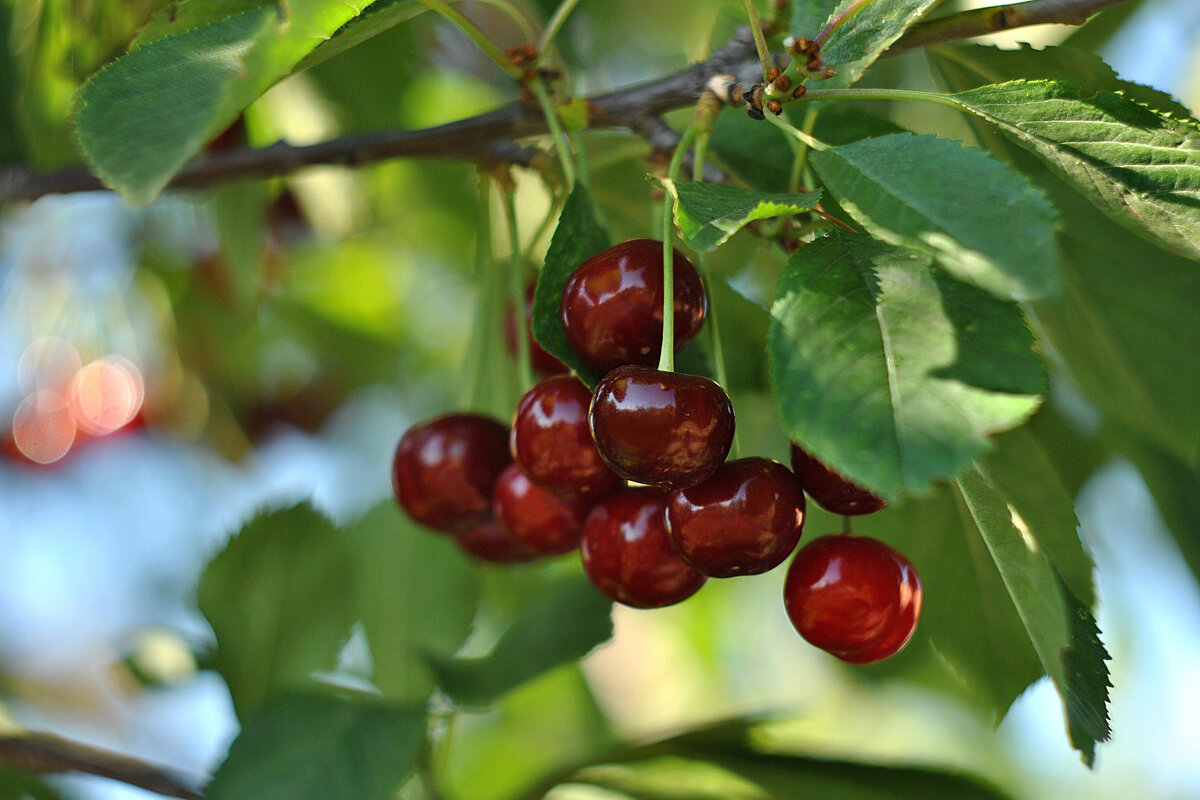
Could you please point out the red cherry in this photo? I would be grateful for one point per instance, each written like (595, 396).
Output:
(627, 553)
(661, 428)
(492, 542)
(545, 522)
(612, 305)
(444, 470)
(541, 361)
(744, 520)
(551, 443)
(854, 597)
(830, 490)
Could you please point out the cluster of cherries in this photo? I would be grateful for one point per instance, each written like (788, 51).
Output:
(557, 480)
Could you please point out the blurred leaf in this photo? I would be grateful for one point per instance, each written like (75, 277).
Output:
(956, 203)
(1062, 629)
(241, 212)
(416, 595)
(1140, 167)
(871, 29)
(11, 151)
(142, 117)
(561, 622)
(577, 238)
(1100, 29)
(709, 213)
(277, 600)
(15, 785)
(320, 747)
(809, 16)
(891, 372)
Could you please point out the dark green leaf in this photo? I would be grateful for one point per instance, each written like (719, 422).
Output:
(16, 785)
(870, 30)
(889, 371)
(809, 16)
(1062, 629)
(709, 213)
(11, 151)
(561, 622)
(577, 237)
(1140, 167)
(416, 594)
(241, 212)
(318, 747)
(144, 115)
(278, 600)
(956, 203)
(181, 16)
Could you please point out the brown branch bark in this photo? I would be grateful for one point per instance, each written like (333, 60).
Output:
(493, 135)
(42, 753)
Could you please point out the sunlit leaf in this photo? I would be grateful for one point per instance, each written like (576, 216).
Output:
(869, 30)
(709, 213)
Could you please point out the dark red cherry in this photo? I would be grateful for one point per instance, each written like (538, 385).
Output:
(830, 490)
(545, 522)
(612, 305)
(552, 444)
(662, 428)
(541, 361)
(854, 597)
(627, 553)
(744, 520)
(492, 542)
(444, 469)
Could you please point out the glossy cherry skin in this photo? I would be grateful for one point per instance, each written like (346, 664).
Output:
(490, 541)
(545, 522)
(744, 520)
(551, 442)
(628, 555)
(661, 428)
(830, 490)
(541, 361)
(854, 597)
(612, 305)
(444, 470)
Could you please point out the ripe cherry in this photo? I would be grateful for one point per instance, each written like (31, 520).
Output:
(744, 520)
(612, 305)
(661, 428)
(551, 442)
(444, 470)
(545, 522)
(541, 361)
(627, 553)
(854, 597)
(830, 490)
(492, 542)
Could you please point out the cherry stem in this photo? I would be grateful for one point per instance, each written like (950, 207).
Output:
(802, 136)
(847, 524)
(477, 35)
(538, 87)
(666, 358)
(801, 160)
(555, 24)
(482, 325)
(516, 289)
(760, 41)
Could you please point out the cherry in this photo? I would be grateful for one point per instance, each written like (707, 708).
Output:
(444, 470)
(612, 305)
(541, 361)
(661, 428)
(854, 597)
(627, 553)
(830, 490)
(543, 521)
(491, 541)
(551, 442)
(744, 520)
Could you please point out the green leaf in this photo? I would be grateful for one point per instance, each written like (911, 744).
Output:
(241, 212)
(416, 594)
(577, 237)
(277, 600)
(319, 747)
(870, 30)
(983, 222)
(11, 149)
(809, 16)
(1141, 168)
(15, 785)
(561, 622)
(709, 213)
(889, 371)
(181, 16)
(144, 115)
(1062, 629)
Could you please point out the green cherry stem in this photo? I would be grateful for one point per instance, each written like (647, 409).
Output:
(482, 325)
(805, 138)
(538, 87)
(666, 358)
(760, 41)
(516, 288)
(477, 35)
(555, 24)
(801, 159)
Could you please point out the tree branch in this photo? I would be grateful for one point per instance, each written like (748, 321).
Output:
(42, 753)
(491, 136)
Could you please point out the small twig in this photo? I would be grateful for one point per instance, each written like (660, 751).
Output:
(43, 753)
